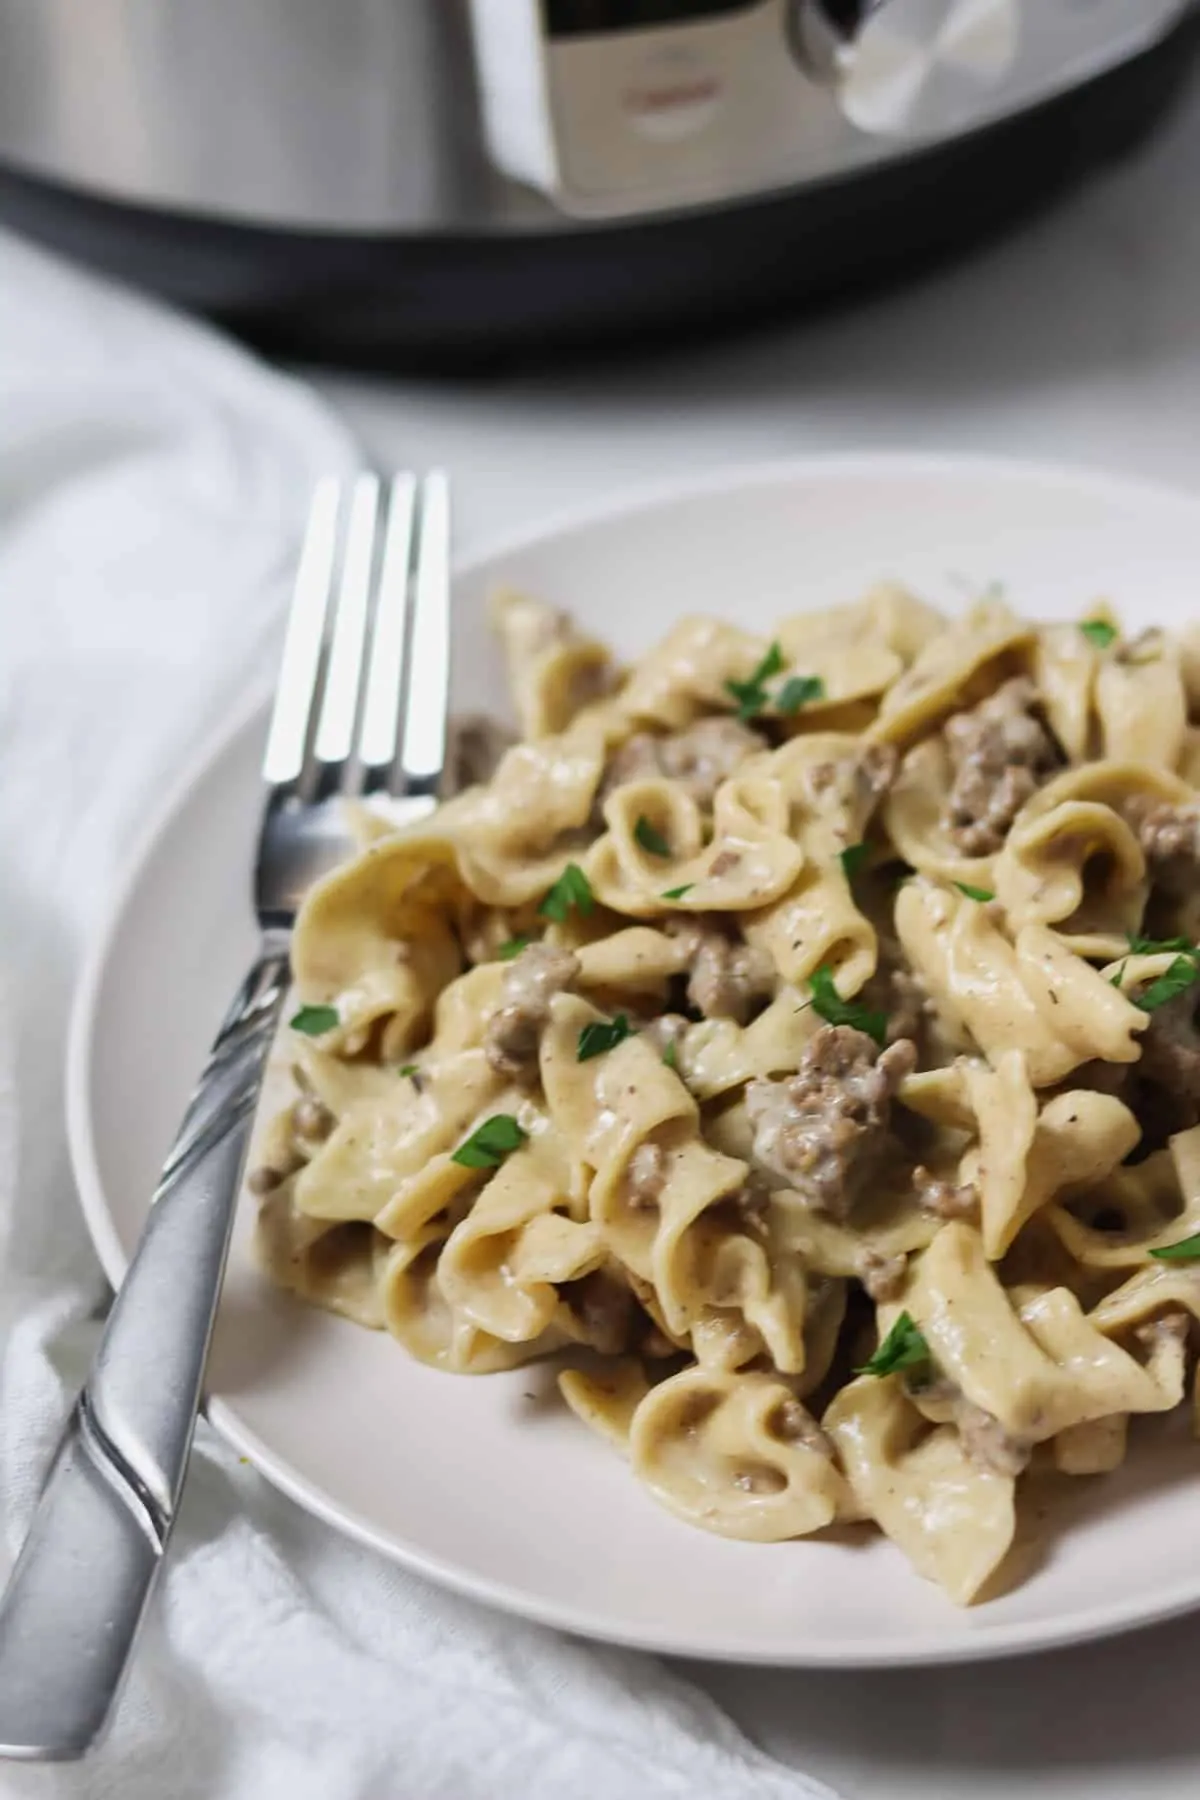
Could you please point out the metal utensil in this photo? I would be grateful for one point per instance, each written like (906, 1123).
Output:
(346, 698)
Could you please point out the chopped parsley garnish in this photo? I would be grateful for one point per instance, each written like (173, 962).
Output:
(513, 947)
(797, 691)
(572, 889)
(751, 695)
(409, 1069)
(1098, 632)
(650, 838)
(1186, 1250)
(830, 1006)
(974, 893)
(490, 1143)
(601, 1035)
(1144, 946)
(1183, 972)
(671, 1055)
(679, 892)
(904, 1347)
(852, 858)
(313, 1021)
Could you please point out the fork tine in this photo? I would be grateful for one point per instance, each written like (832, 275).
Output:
(283, 759)
(423, 749)
(339, 706)
(381, 707)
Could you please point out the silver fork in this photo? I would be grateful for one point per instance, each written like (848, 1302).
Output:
(346, 699)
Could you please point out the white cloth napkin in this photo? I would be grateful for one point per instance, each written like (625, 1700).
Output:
(153, 482)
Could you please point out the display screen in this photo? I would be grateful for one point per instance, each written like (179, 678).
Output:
(592, 18)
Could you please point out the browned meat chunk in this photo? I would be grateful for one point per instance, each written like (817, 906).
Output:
(728, 980)
(882, 1276)
(945, 1199)
(646, 1174)
(514, 1030)
(606, 1310)
(984, 1438)
(859, 782)
(701, 758)
(792, 1421)
(1170, 840)
(824, 1130)
(476, 745)
(1001, 754)
(986, 1441)
(1170, 1066)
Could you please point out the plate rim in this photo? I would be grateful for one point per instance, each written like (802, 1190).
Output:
(961, 1645)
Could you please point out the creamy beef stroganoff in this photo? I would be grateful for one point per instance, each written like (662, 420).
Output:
(798, 1033)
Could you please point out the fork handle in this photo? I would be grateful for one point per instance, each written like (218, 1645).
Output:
(78, 1592)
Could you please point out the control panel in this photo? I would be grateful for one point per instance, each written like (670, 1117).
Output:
(612, 107)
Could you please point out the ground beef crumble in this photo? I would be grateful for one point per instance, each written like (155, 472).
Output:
(514, 1031)
(858, 782)
(727, 980)
(945, 1199)
(1001, 753)
(700, 758)
(1170, 840)
(825, 1130)
(882, 1276)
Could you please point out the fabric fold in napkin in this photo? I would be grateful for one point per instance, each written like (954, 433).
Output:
(153, 483)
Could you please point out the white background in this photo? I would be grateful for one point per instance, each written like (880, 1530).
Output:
(1078, 339)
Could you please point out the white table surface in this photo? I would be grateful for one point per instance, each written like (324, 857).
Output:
(1075, 339)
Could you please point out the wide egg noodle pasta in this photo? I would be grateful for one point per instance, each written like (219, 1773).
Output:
(1033, 995)
(816, 921)
(953, 1519)
(553, 671)
(656, 942)
(728, 1293)
(1026, 1156)
(1078, 867)
(714, 1446)
(915, 817)
(967, 658)
(748, 860)
(1038, 1368)
(1141, 704)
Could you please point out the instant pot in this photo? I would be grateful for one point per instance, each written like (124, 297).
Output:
(441, 180)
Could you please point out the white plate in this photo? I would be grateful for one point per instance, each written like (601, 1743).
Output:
(486, 1483)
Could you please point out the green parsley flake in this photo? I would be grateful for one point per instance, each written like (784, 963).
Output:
(1186, 1250)
(829, 1005)
(671, 1055)
(601, 1035)
(1183, 972)
(572, 889)
(409, 1069)
(797, 691)
(904, 1347)
(314, 1021)
(974, 893)
(490, 1143)
(1098, 632)
(852, 858)
(651, 839)
(513, 947)
(751, 695)
(679, 892)
(1144, 946)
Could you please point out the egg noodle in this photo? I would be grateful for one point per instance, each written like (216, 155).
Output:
(796, 1033)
